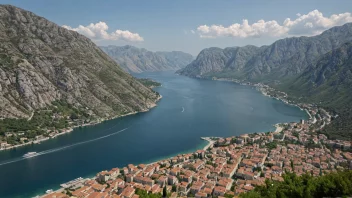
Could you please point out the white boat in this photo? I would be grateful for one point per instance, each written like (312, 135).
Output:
(49, 191)
(30, 154)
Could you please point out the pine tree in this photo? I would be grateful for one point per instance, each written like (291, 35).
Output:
(164, 191)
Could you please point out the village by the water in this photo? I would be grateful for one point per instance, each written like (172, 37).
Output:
(226, 166)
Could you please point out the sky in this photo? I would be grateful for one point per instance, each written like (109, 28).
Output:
(191, 25)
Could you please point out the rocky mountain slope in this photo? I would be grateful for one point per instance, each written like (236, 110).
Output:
(137, 60)
(284, 58)
(216, 60)
(41, 62)
(328, 83)
(329, 80)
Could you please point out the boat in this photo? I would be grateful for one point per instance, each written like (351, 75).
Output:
(49, 191)
(30, 154)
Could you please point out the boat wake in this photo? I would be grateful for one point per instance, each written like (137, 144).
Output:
(62, 148)
(183, 109)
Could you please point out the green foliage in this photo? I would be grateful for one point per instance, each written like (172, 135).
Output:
(257, 169)
(149, 82)
(164, 191)
(331, 185)
(144, 194)
(174, 188)
(54, 117)
(228, 195)
(271, 145)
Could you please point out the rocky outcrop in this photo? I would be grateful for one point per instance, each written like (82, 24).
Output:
(41, 62)
(137, 60)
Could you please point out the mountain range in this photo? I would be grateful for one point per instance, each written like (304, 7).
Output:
(41, 62)
(133, 59)
(284, 58)
(313, 69)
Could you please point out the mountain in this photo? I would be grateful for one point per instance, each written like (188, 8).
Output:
(133, 59)
(216, 60)
(329, 80)
(328, 83)
(283, 59)
(310, 69)
(41, 62)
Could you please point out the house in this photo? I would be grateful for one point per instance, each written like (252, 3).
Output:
(56, 195)
(182, 188)
(144, 180)
(172, 180)
(225, 182)
(201, 195)
(98, 195)
(103, 176)
(196, 187)
(129, 178)
(114, 173)
(128, 192)
(162, 181)
(200, 154)
(142, 166)
(219, 191)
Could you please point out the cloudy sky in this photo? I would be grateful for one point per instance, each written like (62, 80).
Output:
(191, 25)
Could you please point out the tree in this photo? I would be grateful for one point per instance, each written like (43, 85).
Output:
(174, 189)
(73, 116)
(336, 184)
(164, 191)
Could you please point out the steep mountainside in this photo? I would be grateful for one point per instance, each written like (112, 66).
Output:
(216, 60)
(329, 80)
(133, 59)
(41, 62)
(310, 69)
(329, 83)
(284, 58)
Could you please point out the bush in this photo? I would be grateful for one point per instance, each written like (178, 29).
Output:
(337, 184)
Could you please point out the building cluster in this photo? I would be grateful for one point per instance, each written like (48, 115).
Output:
(227, 166)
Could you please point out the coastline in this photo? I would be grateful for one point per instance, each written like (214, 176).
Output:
(262, 88)
(278, 129)
(70, 129)
(281, 96)
(91, 177)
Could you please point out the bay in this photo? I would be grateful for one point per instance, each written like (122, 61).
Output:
(190, 109)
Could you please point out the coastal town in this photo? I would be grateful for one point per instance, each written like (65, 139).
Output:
(226, 167)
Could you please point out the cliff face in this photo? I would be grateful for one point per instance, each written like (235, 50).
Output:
(137, 60)
(41, 62)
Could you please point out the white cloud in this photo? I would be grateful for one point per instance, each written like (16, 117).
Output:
(98, 31)
(309, 24)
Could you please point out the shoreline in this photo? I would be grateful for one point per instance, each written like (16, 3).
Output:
(208, 139)
(278, 129)
(70, 129)
(260, 87)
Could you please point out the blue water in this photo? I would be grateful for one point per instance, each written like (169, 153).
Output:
(190, 108)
